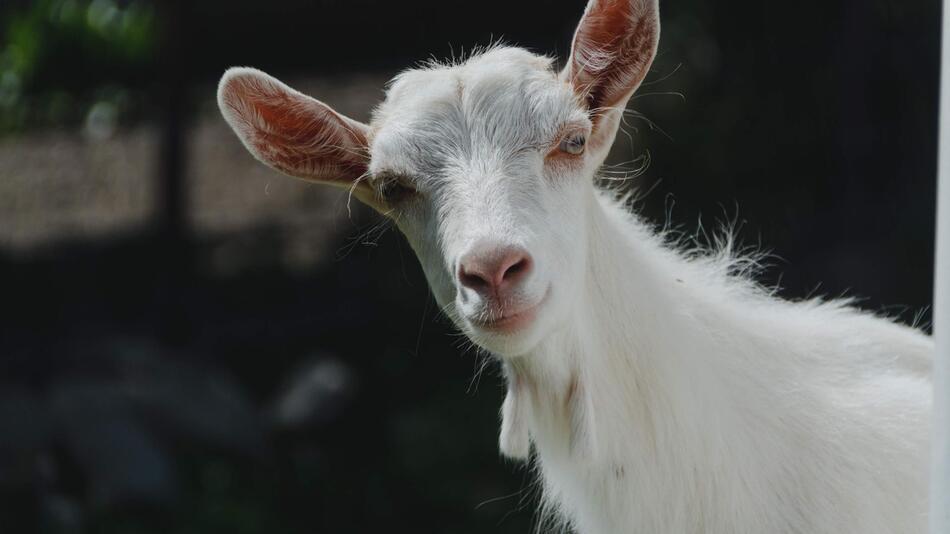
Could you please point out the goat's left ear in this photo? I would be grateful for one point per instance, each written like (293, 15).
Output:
(613, 48)
(292, 132)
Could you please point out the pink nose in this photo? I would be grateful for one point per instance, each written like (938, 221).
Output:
(494, 271)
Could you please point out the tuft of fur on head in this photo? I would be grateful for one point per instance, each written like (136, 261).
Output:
(472, 54)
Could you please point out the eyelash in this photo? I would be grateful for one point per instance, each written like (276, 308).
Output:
(395, 189)
(574, 144)
(569, 147)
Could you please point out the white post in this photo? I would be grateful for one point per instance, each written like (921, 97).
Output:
(940, 474)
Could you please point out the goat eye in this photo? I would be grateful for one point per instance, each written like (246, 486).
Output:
(573, 144)
(396, 189)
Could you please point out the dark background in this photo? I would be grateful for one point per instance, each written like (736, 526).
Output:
(196, 345)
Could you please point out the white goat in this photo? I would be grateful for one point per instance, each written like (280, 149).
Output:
(661, 392)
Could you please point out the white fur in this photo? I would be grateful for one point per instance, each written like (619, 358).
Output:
(660, 390)
(706, 406)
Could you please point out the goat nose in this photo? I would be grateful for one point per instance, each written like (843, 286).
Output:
(494, 271)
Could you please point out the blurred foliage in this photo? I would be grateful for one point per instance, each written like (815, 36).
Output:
(62, 61)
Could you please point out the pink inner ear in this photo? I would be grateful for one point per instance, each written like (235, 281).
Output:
(295, 133)
(613, 48)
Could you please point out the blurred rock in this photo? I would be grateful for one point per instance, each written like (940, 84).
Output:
(120, 458)
(109, 423)
(315, 395)
(191, 403)
(25, 431)
(61, 514)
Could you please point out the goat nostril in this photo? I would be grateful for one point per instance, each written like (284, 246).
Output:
(472, 280)
(517, 269)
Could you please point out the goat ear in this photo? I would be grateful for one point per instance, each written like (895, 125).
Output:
(291, 132)
(613, 47)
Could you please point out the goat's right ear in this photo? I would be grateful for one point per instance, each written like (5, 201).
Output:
(613, 48)
(292, 132)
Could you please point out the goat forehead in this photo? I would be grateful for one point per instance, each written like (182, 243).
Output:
(488, 108)
(441, 81)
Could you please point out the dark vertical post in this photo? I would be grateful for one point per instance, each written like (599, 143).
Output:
(174, 254)
(172, 163)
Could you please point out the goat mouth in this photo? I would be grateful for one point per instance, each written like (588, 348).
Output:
(508, 322)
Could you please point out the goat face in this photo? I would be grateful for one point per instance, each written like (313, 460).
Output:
(486, 166)
(488, 162)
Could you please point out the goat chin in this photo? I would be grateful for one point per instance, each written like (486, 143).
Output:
(681, 397)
